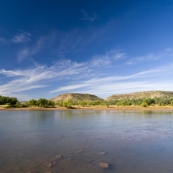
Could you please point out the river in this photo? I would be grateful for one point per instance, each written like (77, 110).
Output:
(77, 141)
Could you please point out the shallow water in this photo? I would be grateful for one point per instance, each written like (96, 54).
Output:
(70, 141)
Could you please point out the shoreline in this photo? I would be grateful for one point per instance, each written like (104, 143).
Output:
(149, 108)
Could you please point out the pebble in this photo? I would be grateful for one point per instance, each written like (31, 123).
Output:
(104, 165)
(58, 157)
(80, 151)
(54, 161)
(102, 153)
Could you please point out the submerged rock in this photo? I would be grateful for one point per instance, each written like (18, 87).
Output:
(49, 165)
(60, 136)
(102, 153)
(80, 151)
(104, 165)
(53, 162)
(58, 157)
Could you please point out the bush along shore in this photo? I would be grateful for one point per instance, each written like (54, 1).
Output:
(12, 102)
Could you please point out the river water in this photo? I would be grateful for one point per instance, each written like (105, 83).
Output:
(76, 141)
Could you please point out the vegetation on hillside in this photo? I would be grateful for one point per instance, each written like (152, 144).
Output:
(142, 95)
(144, 99)
(76, 97)
(143, 102)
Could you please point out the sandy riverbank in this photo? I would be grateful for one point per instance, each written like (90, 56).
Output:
(96, 108)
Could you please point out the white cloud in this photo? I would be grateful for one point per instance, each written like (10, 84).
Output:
(68, 76)
(87, 17)
(40, 75)
(41, 43)
(37, 77)
(3, 40)
(69, 88)
(167, 53)
(107, 59)
(142, 81)
(23, 54)
(74, 41)
(21, 37)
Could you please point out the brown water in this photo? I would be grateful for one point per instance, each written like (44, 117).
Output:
(72, 141)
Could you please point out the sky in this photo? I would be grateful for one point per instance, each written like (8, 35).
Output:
(101, 47)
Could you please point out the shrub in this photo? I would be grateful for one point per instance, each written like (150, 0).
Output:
(144, 104)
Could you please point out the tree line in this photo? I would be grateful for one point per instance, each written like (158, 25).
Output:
(42, 102)
(83, 103)
(13, 102)
(143, 102)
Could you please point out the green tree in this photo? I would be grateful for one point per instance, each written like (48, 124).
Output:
(107, 104)
(171, 102)
(42, 102)
(10, 100)
(51, 103)
(144, 104)
(32, 102)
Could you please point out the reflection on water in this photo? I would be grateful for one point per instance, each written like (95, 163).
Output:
(75, 141)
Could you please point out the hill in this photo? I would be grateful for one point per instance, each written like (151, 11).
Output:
(76, 97)
(141, 95)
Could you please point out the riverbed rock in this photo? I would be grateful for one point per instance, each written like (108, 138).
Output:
(102, 153)
(80, 151)
(59, 137)
(53, 162)
(58, 157)
(104, 165)
(49, 165)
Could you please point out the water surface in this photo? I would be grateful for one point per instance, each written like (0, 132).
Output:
(72, 141)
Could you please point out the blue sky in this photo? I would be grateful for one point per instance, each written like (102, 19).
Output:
(101, 47)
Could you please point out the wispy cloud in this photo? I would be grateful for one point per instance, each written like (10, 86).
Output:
(108, 58)
(68, 42)
(23, 54)
(37, 77)
(141, 81)
(167, 53)
(3, 40)
(41, 43)
(21, 37)
(69, 76)
(88, 17)
(69, 88)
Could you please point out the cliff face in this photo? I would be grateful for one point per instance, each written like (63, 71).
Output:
(76, 97)
(142, 95)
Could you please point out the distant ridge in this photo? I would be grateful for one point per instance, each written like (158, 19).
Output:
(142, 95)
(76, 97)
